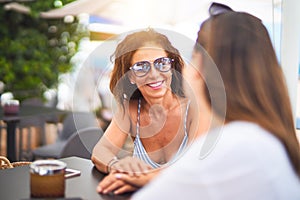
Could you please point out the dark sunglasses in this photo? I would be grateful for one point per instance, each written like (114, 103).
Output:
(143, 67)
(218, 8)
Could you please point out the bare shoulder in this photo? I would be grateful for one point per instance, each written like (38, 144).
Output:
(125, 115)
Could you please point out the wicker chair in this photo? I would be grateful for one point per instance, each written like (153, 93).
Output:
(6, 164)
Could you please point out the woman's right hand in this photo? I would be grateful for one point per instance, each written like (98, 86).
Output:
(119, 183)
(131, 166)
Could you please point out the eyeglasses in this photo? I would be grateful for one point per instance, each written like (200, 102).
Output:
(218, 8)
(141, 68)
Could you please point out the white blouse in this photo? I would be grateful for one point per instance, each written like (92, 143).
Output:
(245, 162)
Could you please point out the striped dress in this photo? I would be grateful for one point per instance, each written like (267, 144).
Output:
(139, 150)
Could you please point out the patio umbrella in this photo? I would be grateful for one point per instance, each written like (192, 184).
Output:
(95, 10)
(149, 12)
(17, 7)
(184, 16)
(91, 7)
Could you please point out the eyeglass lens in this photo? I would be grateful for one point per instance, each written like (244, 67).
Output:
(143, 67)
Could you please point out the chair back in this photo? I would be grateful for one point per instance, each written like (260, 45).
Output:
(81, 143)
(33, 121)
(76, 121)
(33, 102)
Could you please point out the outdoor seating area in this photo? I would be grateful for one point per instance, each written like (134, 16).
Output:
(58, 138)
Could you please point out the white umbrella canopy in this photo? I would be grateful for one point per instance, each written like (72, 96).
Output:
(161, 12)
(183, 16)
(17, 7)
(92, 7)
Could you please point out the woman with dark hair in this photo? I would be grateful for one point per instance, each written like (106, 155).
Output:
(147, 84)
(256, 152)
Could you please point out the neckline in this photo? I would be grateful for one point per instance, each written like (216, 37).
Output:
(138, 143)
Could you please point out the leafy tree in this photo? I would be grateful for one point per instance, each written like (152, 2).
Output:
(34, 51)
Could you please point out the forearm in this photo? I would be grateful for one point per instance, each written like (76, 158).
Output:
(102, 158)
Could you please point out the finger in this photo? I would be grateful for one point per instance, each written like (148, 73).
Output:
(114, 170)
(106, 182)
(145, 168)
(135, 181)
(118, 167)
(125, 188)
(137, 169)
(115, 185)
(99, 189)
(128, 179)
(127, 168)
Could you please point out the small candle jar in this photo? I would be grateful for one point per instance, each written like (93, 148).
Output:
(11, 107)
(47, 178)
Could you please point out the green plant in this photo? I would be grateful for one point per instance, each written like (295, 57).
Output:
(35, 51)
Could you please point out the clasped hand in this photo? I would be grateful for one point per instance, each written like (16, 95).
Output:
(126, 175)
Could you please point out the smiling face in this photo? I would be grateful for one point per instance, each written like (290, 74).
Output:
(154, 84)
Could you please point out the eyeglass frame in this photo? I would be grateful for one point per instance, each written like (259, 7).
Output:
(170, 60)
(218, 8)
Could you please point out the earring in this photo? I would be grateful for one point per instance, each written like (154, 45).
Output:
(132, 83)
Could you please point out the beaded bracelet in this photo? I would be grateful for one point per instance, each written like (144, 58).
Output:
(113, 161)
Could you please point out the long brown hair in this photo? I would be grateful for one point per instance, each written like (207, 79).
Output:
(120, 84)
(255, 87)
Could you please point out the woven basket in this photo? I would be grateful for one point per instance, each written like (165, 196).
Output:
(6, 164)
